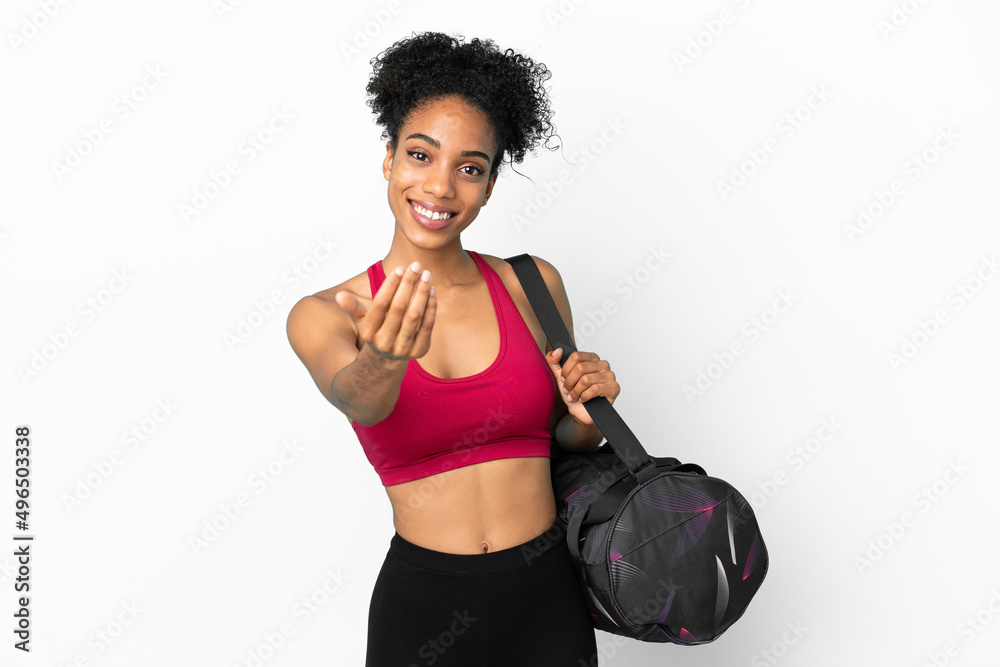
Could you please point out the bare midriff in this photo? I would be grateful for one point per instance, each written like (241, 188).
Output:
(486, 506)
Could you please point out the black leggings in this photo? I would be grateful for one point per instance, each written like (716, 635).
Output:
(518, 606)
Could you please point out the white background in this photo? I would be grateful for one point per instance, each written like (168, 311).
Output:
(870, 571)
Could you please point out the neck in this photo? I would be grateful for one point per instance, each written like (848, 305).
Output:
(449, 265)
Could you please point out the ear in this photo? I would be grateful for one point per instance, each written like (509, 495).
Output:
(387, 162)
(489, 187)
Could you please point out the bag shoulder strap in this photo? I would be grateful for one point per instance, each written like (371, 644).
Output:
(626, 446)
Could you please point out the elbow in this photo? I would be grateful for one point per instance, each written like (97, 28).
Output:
(360, 415)
(365, 421)
(580, 447)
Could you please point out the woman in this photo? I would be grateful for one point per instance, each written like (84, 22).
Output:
(478, 572)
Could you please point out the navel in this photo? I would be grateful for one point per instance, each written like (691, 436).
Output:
(486, 547)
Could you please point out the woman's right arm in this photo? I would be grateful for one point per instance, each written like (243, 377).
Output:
(395, 326)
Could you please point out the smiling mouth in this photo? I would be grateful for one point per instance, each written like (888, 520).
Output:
(431, 215)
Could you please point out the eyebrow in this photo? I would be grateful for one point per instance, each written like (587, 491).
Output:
(436, 144)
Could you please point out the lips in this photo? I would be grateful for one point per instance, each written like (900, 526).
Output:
(426, 214)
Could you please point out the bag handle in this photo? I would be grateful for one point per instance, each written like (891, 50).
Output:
(626, 446)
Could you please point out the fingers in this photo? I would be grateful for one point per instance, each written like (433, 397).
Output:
(591, 385)
(389, 308)
(349, 302)
(553, 360)
(579, 363)
(585, 375)
(401, 299)
(382, 301)
(609, 390)
(413, 316)
(422, 342)
(396, 322)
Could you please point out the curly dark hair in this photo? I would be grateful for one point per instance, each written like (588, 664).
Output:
(506, 86)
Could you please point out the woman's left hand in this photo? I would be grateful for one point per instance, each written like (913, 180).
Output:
(583, 376)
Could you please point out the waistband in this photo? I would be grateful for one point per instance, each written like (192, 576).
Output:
(522, 555)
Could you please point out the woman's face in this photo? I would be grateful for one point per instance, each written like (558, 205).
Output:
(439, 174)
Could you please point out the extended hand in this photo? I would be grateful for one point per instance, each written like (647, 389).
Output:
(397, 322)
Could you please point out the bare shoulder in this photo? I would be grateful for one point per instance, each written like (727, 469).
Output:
(553, 281)
(549, 274)
(358, 284)
(325, 336)
(320, 314)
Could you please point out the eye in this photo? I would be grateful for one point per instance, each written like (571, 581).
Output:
(476, 170)
(417, 155)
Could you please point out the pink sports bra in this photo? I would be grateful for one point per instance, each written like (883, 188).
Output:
(439, 424)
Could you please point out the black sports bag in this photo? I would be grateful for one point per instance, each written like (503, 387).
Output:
(664, 553)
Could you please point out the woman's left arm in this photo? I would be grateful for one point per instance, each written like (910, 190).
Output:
(583, 376)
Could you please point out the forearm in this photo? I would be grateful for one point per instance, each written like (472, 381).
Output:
(574, 436)
(366, 390)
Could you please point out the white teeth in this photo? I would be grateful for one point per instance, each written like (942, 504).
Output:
(431, 214)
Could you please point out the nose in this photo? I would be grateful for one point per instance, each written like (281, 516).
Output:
(439, 182)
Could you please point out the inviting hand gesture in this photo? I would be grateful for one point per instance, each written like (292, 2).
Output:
(397, 322)
(583, 376)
